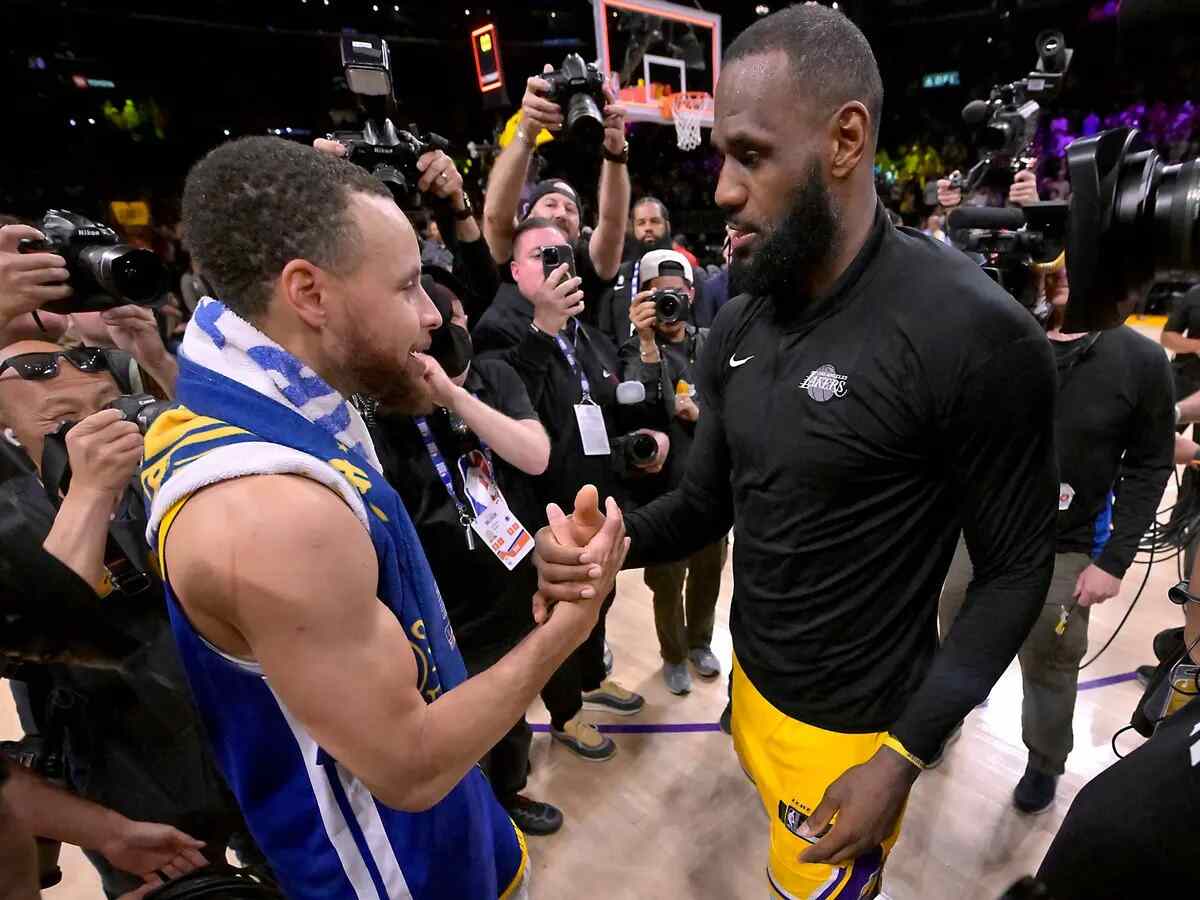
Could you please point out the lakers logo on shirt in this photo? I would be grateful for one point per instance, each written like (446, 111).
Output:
(824, 383)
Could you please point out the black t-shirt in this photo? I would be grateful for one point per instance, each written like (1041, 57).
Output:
(851, 438)
(1185, 320)
(1114, 430)
(594, 287)
(488, 605)
(679, 363)
(505, 332)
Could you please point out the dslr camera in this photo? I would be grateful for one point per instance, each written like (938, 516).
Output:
(1009, 117)
(1013, 245)
(387, 152)
(670, 306)
(578, 87)
(104, 273)
(640, 450)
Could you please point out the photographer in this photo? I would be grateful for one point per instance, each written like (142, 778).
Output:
(663, 355)
(571, 373)
(461, 457)
(131, 740)
(451, 217)
(598, 258)
(1115, 446)
(1181, 335)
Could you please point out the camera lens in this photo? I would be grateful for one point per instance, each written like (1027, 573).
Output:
(126, 274)
(585, 123)
(1175, 206)
(406, 197)
(642, 449)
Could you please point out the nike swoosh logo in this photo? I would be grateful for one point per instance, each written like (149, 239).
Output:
(734, 362)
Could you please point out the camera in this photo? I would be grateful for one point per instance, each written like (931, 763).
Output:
(1013, 245)
(104, 273)
(670, 306)
(140, 409)
(640, 450)
(578, 87)
(1132, 216)
(1009, 117)
(387, 152)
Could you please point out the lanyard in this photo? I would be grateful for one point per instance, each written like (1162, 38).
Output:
(435, 456)
(565, 347)
(634, 290)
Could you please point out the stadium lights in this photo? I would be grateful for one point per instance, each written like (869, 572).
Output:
(226, 132)
(762, 9)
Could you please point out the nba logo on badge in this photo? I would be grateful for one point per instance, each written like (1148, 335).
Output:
(824, 383)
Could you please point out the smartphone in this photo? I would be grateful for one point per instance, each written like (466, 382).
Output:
(553, 257)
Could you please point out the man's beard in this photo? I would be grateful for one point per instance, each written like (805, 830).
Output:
(398, 388)
(791, 251)
(650, 242)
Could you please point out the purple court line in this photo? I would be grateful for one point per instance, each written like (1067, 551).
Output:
(1107, 680)
(658, 728)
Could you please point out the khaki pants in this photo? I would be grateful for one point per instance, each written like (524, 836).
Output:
(686, 622)
(1049, 663)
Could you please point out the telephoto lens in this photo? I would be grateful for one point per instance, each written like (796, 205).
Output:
(641, 450)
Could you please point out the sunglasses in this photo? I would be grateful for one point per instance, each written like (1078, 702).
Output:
(40, 366)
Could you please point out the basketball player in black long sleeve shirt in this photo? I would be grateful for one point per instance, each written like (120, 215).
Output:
(870, 395)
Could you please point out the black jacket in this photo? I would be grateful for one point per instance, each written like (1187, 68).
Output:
(851, 437)
(506, 332)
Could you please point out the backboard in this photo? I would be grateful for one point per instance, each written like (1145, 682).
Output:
(651, 49)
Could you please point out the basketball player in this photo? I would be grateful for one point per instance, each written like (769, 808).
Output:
(314, 638)
(869, 395)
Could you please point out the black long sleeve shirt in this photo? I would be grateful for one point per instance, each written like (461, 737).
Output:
(1115, 435)
(850, 438)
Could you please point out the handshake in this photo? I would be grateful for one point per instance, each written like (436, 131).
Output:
(577, 558)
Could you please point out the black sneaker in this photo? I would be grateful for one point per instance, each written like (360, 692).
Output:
(1034, 793)
(533, 817)
(727, 718)
(1145, 674)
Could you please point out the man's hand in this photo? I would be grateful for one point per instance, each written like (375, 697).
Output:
(332, 148)
(577, 557)
(643, 314)
(144, 848)
(949, 197)
(1024, 188)
(134, 330)
(536, 109)
(27, 280)
(440, 177)
(104, 451)
(614, 124)
(557, 300)
(660, 458)
(1094, 585)
(444, 391)
(868, 800)
(686, 409)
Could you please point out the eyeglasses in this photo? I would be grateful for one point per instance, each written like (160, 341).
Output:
(40, 366)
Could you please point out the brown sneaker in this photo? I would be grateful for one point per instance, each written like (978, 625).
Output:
(585, 740)
(611, 697)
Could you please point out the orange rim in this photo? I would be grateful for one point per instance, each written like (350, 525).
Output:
(666, 104)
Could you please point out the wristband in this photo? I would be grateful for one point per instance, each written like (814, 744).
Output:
(619, 158)
(461, 215)
(893, 743)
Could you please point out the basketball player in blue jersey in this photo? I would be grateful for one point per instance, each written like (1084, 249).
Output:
(311, 630)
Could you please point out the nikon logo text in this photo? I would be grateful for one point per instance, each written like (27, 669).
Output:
(824, 383)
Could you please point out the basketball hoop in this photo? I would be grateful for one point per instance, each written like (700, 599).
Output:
(687, 110)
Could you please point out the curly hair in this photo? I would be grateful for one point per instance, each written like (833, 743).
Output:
(253, 205)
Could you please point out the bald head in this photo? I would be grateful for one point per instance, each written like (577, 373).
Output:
(33, 409)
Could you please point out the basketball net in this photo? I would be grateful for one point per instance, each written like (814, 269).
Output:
(687, 111)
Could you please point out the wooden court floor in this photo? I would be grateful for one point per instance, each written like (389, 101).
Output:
(672, 815)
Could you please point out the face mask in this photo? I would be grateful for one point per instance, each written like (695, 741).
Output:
(451, 347)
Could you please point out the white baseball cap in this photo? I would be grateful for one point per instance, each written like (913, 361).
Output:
(663, 262)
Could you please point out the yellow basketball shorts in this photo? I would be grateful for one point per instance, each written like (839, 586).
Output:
(792, 764)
